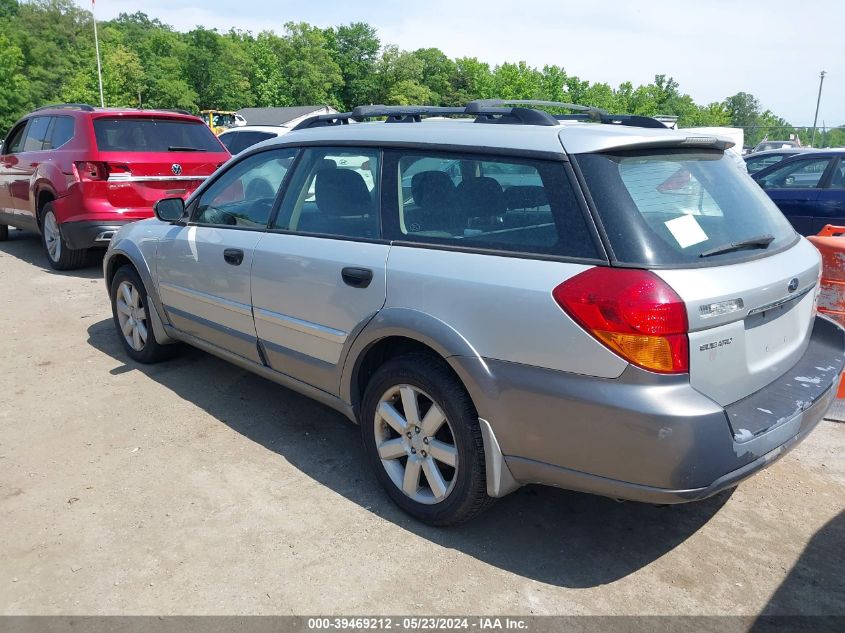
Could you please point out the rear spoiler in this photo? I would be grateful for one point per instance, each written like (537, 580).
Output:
(704, 142)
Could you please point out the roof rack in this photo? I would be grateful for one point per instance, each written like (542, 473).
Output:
(485, 111)
(76, 106)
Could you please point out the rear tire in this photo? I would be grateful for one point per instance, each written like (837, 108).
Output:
(131, 314)
(4, 232)
(59, 255)
(432, 466)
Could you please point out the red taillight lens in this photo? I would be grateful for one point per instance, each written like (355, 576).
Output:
(89, 170)
(633, 312)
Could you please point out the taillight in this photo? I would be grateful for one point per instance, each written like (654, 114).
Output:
(89, 170)
(633, 312)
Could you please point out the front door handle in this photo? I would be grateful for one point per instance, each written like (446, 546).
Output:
(356, 277)
(233, 256)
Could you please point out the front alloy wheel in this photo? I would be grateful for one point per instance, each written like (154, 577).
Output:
(131, 316)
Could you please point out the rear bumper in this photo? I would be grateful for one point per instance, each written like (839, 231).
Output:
(644, 436)
(90, 234)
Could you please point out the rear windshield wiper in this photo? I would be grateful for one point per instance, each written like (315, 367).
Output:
(761, 241)
(177, 148)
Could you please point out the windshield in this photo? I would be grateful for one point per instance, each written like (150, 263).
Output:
(674, 207)
(148, 134)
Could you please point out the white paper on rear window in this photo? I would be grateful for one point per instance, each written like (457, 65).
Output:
(686, 231)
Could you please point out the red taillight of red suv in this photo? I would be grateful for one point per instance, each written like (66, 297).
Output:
(633, 312)
(89, 170)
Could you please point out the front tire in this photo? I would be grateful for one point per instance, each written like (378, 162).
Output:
(131, 314)
(422, 438)
(59, 255)
(4, 232)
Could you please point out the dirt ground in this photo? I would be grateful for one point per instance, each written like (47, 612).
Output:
(193, 487)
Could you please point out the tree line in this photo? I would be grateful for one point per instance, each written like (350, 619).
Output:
(47, 56)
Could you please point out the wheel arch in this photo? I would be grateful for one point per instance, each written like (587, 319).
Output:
(127, 253)
(394, 331)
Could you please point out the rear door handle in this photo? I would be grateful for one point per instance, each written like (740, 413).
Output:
(233, 256)
(356, 277)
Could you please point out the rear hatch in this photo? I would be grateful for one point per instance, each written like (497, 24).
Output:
(748, 281)
(150, 157)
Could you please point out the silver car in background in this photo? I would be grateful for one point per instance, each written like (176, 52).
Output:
(588, 301)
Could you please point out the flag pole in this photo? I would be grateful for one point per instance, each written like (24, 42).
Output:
(97, 47)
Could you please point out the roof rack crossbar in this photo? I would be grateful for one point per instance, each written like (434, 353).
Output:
(482, 104)
(56, 106)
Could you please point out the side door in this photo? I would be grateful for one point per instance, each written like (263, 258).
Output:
(203, 268)
(9, 169)
(831, 202)
(794, 187)
(319, 273)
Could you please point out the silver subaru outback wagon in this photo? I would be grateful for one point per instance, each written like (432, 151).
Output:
(500, 296)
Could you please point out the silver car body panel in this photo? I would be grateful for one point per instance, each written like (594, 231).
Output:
(201, 292)
(503, 306)
(739, 352)
(304, 312)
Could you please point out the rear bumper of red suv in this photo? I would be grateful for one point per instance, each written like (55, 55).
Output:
(90, 234)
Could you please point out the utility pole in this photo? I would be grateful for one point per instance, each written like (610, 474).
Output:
(97, 47)
(818, 101)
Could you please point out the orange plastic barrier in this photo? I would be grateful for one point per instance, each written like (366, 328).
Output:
(831, 245)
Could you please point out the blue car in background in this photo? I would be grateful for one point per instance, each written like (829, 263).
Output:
(808, 188)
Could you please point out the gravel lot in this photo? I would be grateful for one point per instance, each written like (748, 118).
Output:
(195, 487)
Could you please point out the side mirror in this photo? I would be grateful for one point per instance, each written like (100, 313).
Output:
(169, 209)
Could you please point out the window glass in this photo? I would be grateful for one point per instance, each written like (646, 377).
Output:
(244, 194)
(667, 207)
(148, 134)
(756, 164)
(334, 192)
(838, 180)
(62, 131)
(36, 134)
(15, 140)
(801, 174)
(237, 142)
(498, 203)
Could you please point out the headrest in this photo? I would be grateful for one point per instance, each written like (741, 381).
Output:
(526, 197)
(432, 189)
(342, 192)
(481, 197)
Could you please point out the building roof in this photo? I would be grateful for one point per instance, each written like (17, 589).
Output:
(280, 116)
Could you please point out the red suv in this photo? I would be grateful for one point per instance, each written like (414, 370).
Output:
(76, 173)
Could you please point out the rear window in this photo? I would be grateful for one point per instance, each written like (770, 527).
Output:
(148, 134)
(675, 207)
(237, 142)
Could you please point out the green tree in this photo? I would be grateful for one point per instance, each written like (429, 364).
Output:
(354, 48)
(13, 100)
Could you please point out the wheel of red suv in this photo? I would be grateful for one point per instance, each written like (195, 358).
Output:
(4, 232)
(59, 255)
(130, 310)
(421, 435)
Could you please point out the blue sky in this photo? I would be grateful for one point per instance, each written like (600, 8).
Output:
(713, 48)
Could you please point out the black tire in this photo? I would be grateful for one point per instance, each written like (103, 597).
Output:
(4, 232)
(431, 375)
(65, 258)
(152, 351)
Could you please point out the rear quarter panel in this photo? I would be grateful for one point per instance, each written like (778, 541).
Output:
(502, 306)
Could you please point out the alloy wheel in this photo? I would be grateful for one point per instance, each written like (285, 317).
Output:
(415, 444)
(52, 237)
(131, 315)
